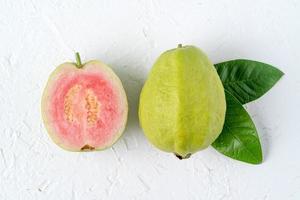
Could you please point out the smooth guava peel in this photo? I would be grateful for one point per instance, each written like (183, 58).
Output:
(84, 106)
(182, 104)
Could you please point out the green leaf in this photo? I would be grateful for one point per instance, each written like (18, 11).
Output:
(247, 80)
(239, 139)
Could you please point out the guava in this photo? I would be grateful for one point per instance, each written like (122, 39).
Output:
(182, 103)
(84, 106)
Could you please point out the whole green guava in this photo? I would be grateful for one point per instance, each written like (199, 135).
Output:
(182, 104)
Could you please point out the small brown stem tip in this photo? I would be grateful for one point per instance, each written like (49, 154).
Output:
(87, 148)
(183, 157)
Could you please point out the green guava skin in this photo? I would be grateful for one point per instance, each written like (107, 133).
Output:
(182, 104)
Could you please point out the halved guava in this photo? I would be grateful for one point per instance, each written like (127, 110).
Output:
(84, 107)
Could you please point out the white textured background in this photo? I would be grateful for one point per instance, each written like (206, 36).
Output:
(36, 36)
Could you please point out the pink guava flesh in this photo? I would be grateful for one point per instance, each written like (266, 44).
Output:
(85, 110)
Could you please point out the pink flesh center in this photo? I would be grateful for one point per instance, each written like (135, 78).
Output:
(75, 112)
(85, 110)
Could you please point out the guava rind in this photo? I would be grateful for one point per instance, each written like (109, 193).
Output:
(182, 104)
(93, 67)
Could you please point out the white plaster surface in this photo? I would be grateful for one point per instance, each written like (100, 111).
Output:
(36, 36)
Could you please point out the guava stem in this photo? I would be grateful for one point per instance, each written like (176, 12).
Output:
(183, 157)
(179, 46)
(78, 60)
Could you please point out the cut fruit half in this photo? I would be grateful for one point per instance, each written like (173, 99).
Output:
(84, 107)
